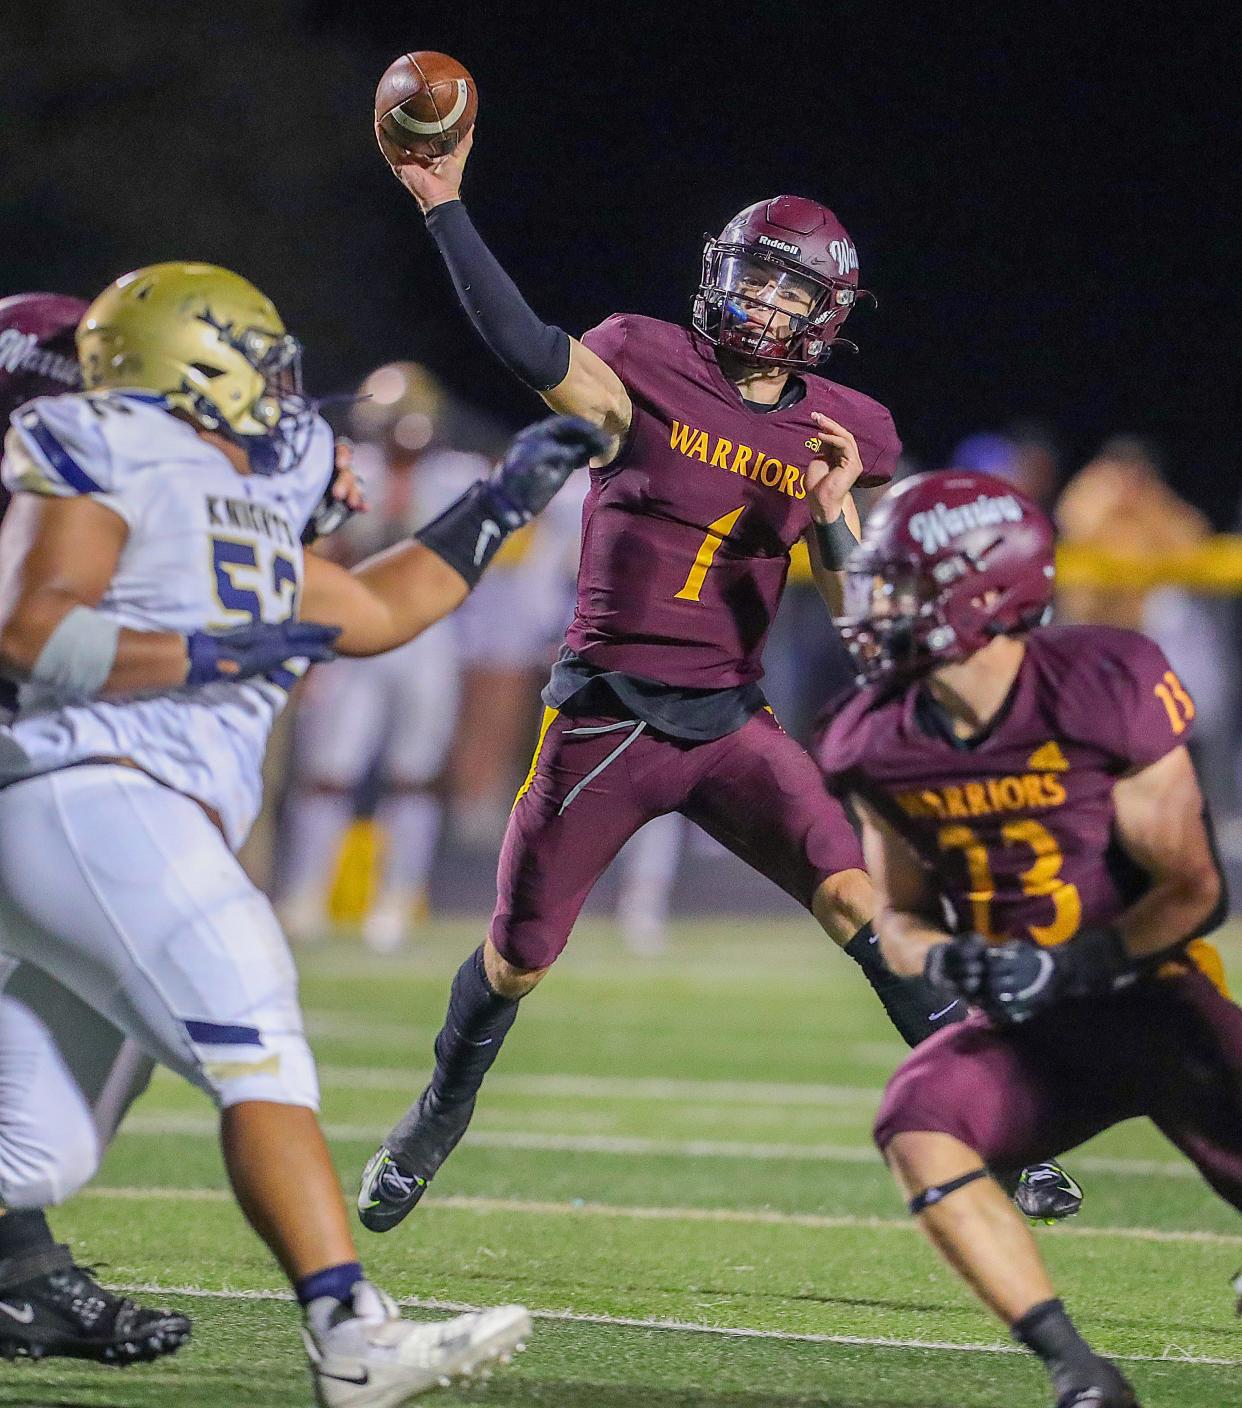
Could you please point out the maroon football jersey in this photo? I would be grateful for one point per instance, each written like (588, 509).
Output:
(686, 534)
(1017, 827)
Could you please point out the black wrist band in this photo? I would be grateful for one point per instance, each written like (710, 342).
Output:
(836, 541)
(468, 534)
(534, 351)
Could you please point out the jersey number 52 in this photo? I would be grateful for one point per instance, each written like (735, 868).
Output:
(247, 588)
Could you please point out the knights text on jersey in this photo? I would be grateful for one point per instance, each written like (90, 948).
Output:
(208, 549)
(686, 535)
(1016, 829)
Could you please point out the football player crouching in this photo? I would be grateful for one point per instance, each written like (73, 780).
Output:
(1032, 783)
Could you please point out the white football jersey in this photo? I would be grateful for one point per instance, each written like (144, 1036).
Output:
(208, 549)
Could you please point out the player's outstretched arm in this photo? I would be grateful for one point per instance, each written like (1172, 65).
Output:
(568, 375)
(905, 923)
(1160, 824)
(393, 597)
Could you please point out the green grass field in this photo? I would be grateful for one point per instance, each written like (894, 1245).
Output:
(671, 1166)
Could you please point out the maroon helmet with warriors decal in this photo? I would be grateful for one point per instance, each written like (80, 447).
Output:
(778, 283)
(37, 353)
(948, 561)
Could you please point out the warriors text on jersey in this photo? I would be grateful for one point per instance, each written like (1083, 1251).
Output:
(1017, 826)
(686, 534)
(208, 549)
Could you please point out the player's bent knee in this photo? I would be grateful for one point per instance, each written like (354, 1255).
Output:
(507, 978)
(37, 1172)
(281, 1072)
(843, 903)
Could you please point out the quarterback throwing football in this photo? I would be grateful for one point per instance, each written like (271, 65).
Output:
(721, 456)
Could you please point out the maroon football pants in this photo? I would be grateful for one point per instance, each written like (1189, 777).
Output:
(1169, 1049)
(595, 780)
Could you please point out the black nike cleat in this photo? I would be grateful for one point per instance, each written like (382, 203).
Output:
(50, 1307)
(392, 1185)
(1107, 1388)
(1110, 1390)
(1046, 1193)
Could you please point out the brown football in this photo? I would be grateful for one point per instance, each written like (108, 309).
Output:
(424, 105)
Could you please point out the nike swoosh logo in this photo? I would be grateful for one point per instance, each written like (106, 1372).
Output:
(935, 1016)
(487, 531)
(23, 1317)
(360, 1379)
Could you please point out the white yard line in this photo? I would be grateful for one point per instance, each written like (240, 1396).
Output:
(749, 1217)
(1172, 1356)
(654, 1088)
(637, 1146)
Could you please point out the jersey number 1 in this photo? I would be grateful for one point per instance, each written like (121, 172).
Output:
(707, 551)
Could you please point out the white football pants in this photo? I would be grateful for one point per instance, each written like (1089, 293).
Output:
(130, 918)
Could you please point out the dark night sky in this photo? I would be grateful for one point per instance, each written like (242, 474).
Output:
(1046, 199)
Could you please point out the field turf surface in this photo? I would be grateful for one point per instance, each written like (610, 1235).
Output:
(671, 1166)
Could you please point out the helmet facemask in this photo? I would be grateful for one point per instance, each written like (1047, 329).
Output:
(275, 428)
(903, 619)
(767, 309)
(893, 624)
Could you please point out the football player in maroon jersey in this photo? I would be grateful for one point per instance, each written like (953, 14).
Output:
(1041, 851)
(724, 453)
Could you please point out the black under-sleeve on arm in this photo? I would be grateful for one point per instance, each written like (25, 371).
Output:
(534, 351)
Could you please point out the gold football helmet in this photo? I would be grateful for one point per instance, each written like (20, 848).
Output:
(212, 346)
(401, 404)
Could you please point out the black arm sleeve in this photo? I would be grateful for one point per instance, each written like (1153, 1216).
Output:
(535, 352)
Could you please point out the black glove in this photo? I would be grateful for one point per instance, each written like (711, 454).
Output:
(958, 968)
(329, 514)
(538, 462)
(255, 649)
(469, 532)
(1014, 981)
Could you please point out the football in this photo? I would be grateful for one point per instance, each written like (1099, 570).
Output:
(424, 105)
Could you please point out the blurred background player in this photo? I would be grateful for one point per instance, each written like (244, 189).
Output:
(722, 456)
(1120, 503)
(1041, 850)
(380, 726)
(76, 1315)
(154, 569)
(443, 716)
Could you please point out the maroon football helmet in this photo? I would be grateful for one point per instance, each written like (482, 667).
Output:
(37, 354)
(947, 561)
(778, 283)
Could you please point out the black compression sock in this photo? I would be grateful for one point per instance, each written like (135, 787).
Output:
(913, 1006)
(23, 1230)
(1048, 1331)
(478, 1021)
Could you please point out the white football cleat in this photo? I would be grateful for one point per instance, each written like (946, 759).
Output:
(363, 1355)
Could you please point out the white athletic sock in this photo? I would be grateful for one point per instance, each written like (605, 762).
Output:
(411, 822)
(317, 821)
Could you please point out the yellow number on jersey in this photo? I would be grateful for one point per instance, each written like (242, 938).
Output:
(703, 561)
(1179, 706)
(1043, 878)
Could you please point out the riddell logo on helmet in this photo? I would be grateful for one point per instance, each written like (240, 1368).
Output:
(845, 254)
(937, 527)
(783, 245)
